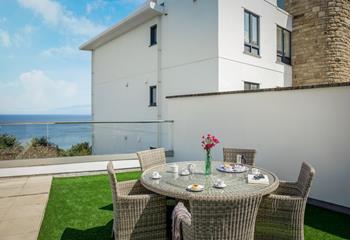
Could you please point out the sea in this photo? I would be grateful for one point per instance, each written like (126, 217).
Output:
(63, 135)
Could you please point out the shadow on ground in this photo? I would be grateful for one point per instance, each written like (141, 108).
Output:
(96, 233)
(326, 221)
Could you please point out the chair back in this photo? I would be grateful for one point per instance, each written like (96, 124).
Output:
(306, 175)
(150, 158)
(112, 182)
(230, 218)
(248, 155)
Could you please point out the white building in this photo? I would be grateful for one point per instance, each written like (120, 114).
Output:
(175, 47)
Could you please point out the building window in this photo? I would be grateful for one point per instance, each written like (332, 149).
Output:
(251, 33)
(283, 45)
(281, 4)
(153, 35)
(251, 86)
(153, 96)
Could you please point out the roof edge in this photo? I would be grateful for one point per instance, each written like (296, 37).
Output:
(150, 6)
(277, 89)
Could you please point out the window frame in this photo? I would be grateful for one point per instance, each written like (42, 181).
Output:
(151, 96)
(153, 32)
(249, 44)
(281, 58)
(251, 84)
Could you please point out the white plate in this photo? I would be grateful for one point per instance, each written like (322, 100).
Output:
(220, 186)
(155, 178)
(189, 188)
(221, 168)
(185, 174)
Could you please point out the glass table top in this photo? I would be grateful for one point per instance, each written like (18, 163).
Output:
(175, 185)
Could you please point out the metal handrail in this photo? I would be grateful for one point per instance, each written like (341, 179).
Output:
(83, 122)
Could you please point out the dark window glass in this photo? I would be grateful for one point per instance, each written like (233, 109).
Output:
(153, 95)
(251, 86)
(283, 45)
(246, 27)
(251, 33)
(153, 35)
(281, 4)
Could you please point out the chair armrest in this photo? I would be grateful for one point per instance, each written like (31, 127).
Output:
(132, 187)
(288, 188)
(284, 197)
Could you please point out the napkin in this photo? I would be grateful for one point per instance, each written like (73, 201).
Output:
(264, 180)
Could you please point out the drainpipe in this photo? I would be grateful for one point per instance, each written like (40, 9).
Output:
(159, 8)
(159, 79)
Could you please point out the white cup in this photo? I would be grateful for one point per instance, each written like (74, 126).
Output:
(174, 168)
(191, 167)
(220, 183)
(185, 171)
(255, 171)
(155, 175)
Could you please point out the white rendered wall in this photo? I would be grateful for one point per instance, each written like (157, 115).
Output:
(236, 67)
(189, 48)
(123, 70)
(285, 127)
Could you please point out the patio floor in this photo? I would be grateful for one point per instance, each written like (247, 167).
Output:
(80, 208)
(22, 206)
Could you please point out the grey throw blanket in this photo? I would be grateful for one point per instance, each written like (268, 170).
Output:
(179, 213)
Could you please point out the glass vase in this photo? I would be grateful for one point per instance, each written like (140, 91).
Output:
(207, 169)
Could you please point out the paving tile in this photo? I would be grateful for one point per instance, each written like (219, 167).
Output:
(22, 206)
(18, 212)
(41, 189)
(13, 181)
(6, 202)
(18, 226)
(30, 200)
(25, 236)
(8, 192)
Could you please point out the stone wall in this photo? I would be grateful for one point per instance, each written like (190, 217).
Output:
(320, 41)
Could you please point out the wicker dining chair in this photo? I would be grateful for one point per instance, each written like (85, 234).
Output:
(150, 158)
(221, 218)
(137, 213)
(248, 155)
(281, 214)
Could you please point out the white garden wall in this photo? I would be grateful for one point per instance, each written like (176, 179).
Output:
(285, 127)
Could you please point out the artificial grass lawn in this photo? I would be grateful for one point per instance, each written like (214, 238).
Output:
(80, 208)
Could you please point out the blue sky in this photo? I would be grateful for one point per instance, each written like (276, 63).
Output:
(42, 70)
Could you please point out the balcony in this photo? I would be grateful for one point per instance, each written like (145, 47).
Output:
(285, 127)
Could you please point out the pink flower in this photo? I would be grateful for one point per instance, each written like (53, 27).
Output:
(209, 141)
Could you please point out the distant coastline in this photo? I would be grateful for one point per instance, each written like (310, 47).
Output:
(61, 134)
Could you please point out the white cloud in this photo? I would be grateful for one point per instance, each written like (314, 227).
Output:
(55, 14)
(65, 51)
(36, 92)
(5, 39)
(23, 36)
(97, 4)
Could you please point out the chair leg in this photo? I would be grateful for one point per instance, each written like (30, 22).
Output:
(112, 235)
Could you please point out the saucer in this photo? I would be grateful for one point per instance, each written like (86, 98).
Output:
(158, 177)
(199, 189)
(183, 173)
(220, 186)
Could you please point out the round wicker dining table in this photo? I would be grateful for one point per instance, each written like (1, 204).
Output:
(175, 186)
